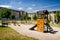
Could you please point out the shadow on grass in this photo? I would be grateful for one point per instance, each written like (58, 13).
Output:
(48, 27)
(47, 31)
(3, 26)
(54, 32)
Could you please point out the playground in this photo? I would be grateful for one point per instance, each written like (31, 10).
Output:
(24, 30)
(42, 30)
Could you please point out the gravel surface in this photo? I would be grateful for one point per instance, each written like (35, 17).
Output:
(24, 30)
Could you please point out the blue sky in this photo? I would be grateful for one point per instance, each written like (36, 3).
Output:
(31, 5)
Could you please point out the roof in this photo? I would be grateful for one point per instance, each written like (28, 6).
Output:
(42, 12)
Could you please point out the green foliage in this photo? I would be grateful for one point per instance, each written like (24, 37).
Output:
(13, 16)
(29, 18)
(0, 14)
(57, 16)
(25, 17)
(35, 17)
(5, 13)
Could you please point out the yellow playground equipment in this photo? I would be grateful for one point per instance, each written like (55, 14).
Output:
(42, 18)
(42, 22)
(40, 25)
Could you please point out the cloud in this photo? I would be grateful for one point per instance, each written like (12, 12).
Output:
(33, 4)
(29, 8)
(50, 5)
(36, 10)
(20, 2)
(54, 9)
(6, 6)
(15, 4)
(20, 8)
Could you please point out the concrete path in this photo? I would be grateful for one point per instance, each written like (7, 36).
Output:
(24, 30)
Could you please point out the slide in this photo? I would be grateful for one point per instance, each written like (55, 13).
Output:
(47, 28)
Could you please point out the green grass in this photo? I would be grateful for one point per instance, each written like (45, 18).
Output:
(7, 33)
(55, 25)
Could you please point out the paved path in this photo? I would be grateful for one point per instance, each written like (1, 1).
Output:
(24, 29)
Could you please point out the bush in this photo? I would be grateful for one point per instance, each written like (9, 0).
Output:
(35, 17)
(29, 18)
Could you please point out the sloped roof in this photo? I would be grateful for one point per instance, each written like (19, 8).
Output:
(42, 12)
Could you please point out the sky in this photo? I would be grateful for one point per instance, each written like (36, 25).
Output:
(31, 5)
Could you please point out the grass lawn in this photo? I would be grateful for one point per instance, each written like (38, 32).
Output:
(7, 33)
(55, 25)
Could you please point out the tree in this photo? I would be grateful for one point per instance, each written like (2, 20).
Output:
(34, 16)
(25, 16)
(57, 16)
(0, 14)
(13, 16)
(29, 18)
(5, 13)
